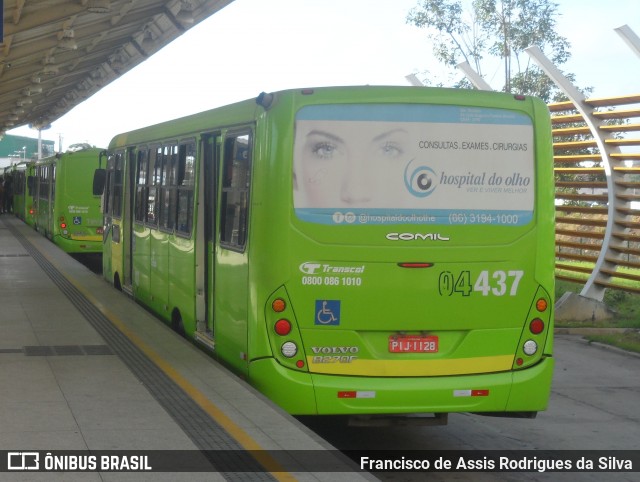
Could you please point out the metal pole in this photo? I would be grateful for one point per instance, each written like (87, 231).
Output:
(477, 81)
(413, 80)
(591, 289)
(630, 37)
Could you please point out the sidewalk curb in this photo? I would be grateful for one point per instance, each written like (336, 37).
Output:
(598, 331)
(583, 330)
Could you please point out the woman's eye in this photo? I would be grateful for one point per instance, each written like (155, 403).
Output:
(391, 149)
(323, 150)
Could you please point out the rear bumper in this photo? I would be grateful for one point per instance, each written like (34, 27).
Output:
(310, 394)
(93, 245)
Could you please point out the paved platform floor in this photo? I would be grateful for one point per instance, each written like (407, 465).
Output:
(68, 382)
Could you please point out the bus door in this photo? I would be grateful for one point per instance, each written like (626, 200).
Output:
(207, 235)
(127, 235)
(52, 201)
(113, 266)
(36, 182)
(44, 199)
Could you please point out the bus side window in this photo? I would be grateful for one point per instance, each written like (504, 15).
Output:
(168, 187)
(186, 184)
(107, 193)
(52, 181)
(236, 171)
(116, 180)
(43, 177)
(153, 180)
(141, 186)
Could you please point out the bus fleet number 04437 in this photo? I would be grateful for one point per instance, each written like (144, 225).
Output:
(496, 283)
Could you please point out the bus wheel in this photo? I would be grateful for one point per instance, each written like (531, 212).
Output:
(176, 323)
(116, 282)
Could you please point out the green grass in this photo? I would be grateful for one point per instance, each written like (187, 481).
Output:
(629, 340)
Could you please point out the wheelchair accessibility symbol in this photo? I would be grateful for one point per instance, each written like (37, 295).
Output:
(327, 312)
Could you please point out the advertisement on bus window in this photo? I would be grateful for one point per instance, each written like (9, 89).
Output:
(413, 164)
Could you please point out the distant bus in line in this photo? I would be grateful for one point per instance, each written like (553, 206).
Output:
(365, 251)
(22, 194)
(21, 198)
(65, 209)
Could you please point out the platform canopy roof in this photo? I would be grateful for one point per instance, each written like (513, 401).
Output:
(56, 53)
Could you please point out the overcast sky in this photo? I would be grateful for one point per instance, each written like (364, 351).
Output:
(266, 45)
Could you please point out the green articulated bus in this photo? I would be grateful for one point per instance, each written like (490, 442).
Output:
(362, 251)
(21, 192)
(64, 207)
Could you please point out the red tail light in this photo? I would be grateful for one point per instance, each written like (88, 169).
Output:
(536, 326)
(282, 327)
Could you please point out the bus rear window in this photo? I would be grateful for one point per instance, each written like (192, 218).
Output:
(415, 164)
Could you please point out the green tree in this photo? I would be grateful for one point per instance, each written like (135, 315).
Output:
(487, 30)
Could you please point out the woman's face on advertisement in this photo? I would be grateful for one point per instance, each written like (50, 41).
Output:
(351, 167)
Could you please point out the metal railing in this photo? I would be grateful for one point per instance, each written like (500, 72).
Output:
(596, 149)
(597, 168)
(591, 238)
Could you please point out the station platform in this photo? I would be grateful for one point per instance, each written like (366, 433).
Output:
(84, 369)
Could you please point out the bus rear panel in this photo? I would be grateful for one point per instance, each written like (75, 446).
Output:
(65, 209)
(420, 260)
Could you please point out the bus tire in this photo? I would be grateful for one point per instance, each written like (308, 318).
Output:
(116, 282)
(176, 322)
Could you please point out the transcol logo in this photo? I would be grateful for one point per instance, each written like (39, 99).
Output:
(310, 268)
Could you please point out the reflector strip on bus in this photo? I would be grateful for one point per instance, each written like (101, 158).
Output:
(414, 368)
(84, 237)
(471, 393)
(357, 394)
